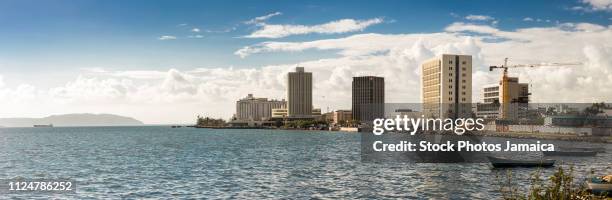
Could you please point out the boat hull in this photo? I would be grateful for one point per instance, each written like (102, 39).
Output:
(599, 188)
(569, 153)
(507, 163)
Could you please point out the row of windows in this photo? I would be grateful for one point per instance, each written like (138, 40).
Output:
(450, 68)
(462, 62)
(492, 94)
(451, 99)
(451, 80)
(451, 74)
(491, 89)
(451, 87)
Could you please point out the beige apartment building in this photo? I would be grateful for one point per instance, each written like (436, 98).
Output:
(339, 116)
(299, 93)
(256, 109)
(447, 86)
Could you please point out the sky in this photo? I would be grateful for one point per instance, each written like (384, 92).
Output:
(168, 61)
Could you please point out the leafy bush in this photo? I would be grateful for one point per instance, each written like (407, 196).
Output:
(560, 186)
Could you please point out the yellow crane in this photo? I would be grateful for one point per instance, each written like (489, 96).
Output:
(505, 96)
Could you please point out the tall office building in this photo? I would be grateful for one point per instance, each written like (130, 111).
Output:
(299, 93)
(256, 109)
(368, 98)
(447, 86)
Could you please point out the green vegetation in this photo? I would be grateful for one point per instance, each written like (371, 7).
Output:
(560, 185)
(301, 124)
(209, 122)
(348, 123)
(595, 109)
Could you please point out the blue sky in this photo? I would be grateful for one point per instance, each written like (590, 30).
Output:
(168, 61)
(55, 35)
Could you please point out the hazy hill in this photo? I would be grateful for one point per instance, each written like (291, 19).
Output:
(72, 120)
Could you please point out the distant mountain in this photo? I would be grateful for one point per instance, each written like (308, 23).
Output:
(84, 119)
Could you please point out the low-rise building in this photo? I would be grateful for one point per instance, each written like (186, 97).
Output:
(256, 109)
(342, 116)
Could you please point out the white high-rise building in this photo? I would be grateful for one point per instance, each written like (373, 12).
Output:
(447, 86)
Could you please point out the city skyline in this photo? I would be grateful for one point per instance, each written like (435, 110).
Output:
(123, 58)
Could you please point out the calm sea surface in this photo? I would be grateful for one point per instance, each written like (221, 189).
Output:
(162, 162)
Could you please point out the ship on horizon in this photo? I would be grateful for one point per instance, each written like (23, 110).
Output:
(43, 125)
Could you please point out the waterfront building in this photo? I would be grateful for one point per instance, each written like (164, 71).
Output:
(284, 113)
(447, 86)
(256, 109)
(279, 113)
(368, 98)
(410, 113)
(340, 116)
(299, 93)
(518, 93)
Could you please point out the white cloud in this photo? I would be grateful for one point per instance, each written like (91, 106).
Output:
(528, 19)
(167, 37)
(460, 26)
(1, 81)
(380, 54)
(171, 96)
(599, 4)
(261, 19)
(339, 26)
(196, 36)
(197, 30)
(479, 17)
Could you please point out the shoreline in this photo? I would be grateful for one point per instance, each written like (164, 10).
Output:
(519, 135)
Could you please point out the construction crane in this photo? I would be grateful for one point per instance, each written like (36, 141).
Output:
(504, 85)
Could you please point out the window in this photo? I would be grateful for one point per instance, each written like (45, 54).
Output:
(463, 63)
(463, 87)
(450, 74)
(450, 99)
(463, 93)
(463, 81)
(450, 87)
(463, 75)
(463, 69)
(450, 93)
(450, 80)
(450, 68)
(450, 62)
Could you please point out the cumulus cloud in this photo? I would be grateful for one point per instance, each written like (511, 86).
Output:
(261, 19)
(167, 37)
(479, 17)
(528, 19)
(599, 4)
(168, 96)
(339, 26)
(197, 30)
(487, 44)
